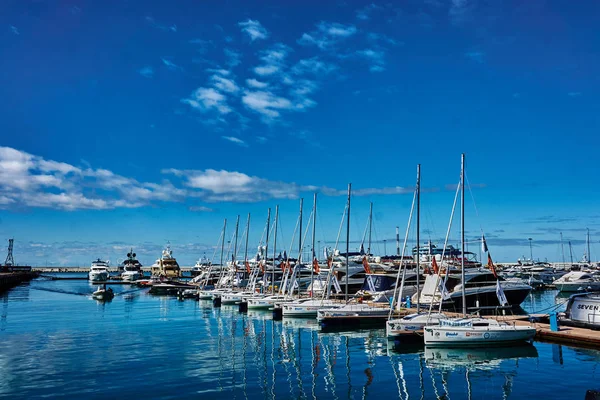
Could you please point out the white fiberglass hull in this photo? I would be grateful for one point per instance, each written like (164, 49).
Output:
(266, 303)
(307, 309)
(131, 276)
(412, 323)
(572, 287)
(98, 276)
(448, 336)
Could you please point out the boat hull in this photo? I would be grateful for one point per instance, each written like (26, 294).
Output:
(98, 276)
(574, 287)
(487, 298)
(466, 337)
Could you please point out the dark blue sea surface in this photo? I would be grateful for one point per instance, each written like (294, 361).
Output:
(56, 341)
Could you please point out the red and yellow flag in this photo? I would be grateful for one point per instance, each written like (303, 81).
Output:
(491, 266)
(316, 265)
(366, 265)
(434, 266)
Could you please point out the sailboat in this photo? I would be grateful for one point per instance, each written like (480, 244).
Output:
(468, 331)
(357, 313)
(416, 321)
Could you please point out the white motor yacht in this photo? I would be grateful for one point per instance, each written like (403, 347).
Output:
(166, 266)
(577, 281)
(583, 310)
(132, 268)
(99, 271)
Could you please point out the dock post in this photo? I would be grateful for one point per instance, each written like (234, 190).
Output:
(554, 322)
(408, 302)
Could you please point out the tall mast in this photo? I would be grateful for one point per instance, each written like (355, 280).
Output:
(370, 228)
(267, 239)
(348, 241)
(237, 225)
(300, 237)
(589, 258)
(223, 242)
(247, 232)
(397, 240)
(418, 231)
(571, 252)
(462, 231)
(562, 246)
(314, 255)
(274, 250)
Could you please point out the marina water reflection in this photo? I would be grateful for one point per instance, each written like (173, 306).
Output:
(59, 342)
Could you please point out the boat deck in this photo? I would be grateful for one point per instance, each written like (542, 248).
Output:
(569, 335)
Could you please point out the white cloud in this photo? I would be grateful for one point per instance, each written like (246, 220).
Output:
(14, 30)
(365, 13)
(374, 57)
(208, 99)
(313, 66)
(201, 209)
(146, 72)
(254, 29)
(256, 84)
(266, 103)
(233, 57)
(31, 181)
(327, 35)
(224, 84)
(574, 94)
(235, 140)
(266, 70)
(171, 65)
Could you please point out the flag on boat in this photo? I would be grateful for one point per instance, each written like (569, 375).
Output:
(329, 262)
(366, 265)
(500, 294)
(370, 283)
(491, 266)
(443, 291)
(316, 265)
(336, 284)
(434, 266)
(262, 267)
(248, 267)
(484, 247)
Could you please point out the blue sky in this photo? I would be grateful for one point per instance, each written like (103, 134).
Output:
(129, 123)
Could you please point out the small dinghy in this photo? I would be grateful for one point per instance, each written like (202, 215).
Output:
(102, 293)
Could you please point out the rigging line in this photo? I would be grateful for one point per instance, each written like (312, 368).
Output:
(293, 237)
(308, 225)
(437, 280)
(362, 242)
(402, 267)
(474, 205)
(217, 247)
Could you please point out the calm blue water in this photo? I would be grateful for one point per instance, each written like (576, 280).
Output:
(55, 341)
